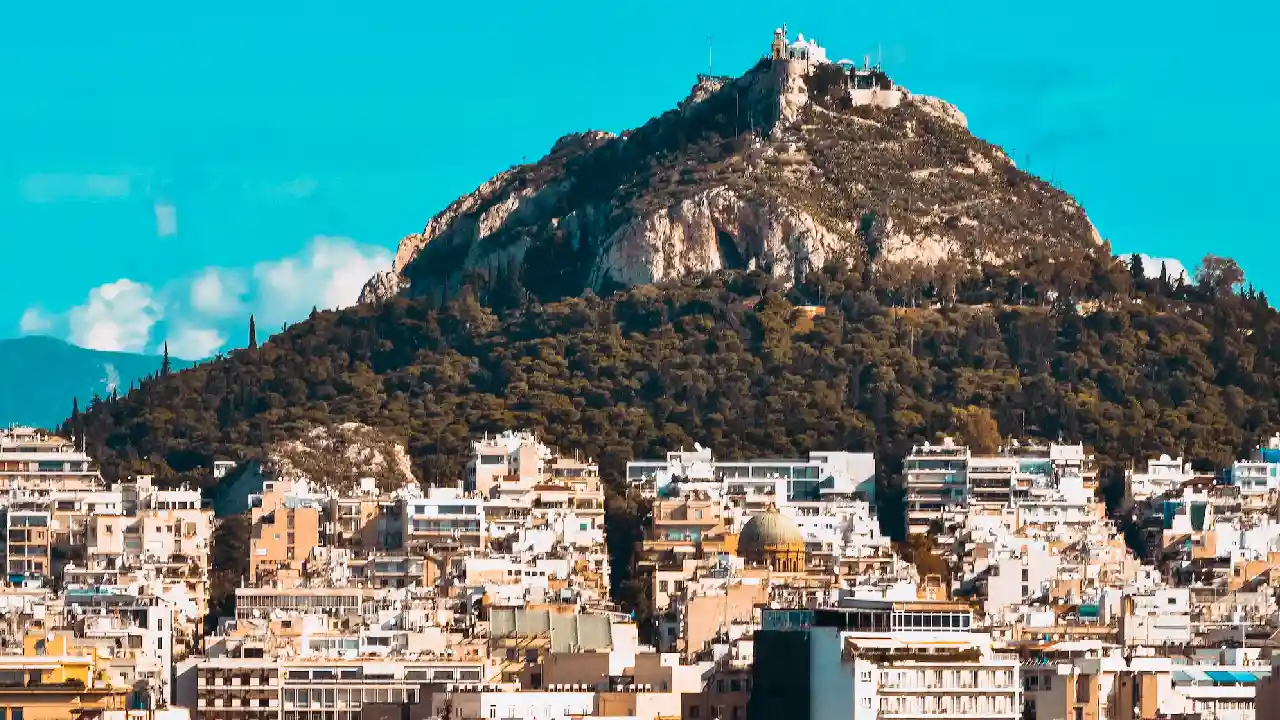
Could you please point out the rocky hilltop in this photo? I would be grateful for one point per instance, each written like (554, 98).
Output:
(792, 165)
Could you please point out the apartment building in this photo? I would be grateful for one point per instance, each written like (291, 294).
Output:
(321, 689)
(368, 520)
(52, 680)
(335, 602)
(1163, 475)
(937, 483)
(767, 480)
(286, 527)
(445, 517)
(34, 463)
(1260, 474)
(509, 462)
(27, 561)
(945, 481)
(878, 658)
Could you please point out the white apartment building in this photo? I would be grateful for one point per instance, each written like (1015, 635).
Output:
(946, 481)
(270, 688)
(1158, 618)
(1255, 477)
(822, 475)
(1163, 475)
(510, 703)
(1070, 504)
(445, 516)
(877, 658)
(1014, 577)
(937, 483)
(34, 463)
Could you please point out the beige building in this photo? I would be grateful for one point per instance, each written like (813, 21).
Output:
(284, 533)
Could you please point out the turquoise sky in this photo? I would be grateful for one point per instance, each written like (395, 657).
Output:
(166, 169)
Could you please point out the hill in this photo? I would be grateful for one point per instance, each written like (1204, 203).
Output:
(39, 377)
(789, 167)
(727, 361)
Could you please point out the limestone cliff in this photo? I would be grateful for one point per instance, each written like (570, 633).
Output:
(785, 169)
(336, 457)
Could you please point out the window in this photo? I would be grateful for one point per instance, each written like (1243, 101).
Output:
(693, 711)
(1026, 575)
(864, 676)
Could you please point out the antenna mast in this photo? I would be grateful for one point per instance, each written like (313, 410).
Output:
(710, 57)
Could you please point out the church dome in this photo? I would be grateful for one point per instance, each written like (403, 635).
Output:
(768, 529)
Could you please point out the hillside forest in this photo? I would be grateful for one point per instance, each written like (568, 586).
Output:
(1128, 365)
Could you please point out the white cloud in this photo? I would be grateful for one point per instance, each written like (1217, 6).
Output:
(35, 322)
(218, 293)
(328, 274)
(112, 379)
(1173, 267)
(52, 187)
(117, 316)
(197, 315)
(166, 219)
(195, 343)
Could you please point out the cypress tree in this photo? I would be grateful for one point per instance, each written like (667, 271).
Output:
(253, 334)
(165, 366)
(1136, 269)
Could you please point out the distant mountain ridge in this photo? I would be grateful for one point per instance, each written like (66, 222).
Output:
(39, 377)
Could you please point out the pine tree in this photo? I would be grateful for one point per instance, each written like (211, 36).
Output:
(253, 334)
(165, 365)
(1164, 277)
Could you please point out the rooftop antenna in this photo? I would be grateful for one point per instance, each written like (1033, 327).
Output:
(710, 57)
(879, 56)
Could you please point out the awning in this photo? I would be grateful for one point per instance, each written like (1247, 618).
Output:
(1189, 676)
(1228, 677)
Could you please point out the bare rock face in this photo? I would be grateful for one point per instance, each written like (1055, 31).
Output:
(716, 230)
(336, 457)
(383, 286)
(940, 109)
(765, 171)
